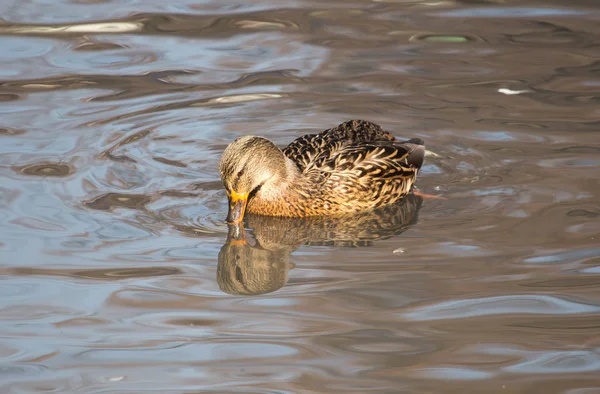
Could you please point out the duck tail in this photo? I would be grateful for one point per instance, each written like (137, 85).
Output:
(416, 141)
(416, 147)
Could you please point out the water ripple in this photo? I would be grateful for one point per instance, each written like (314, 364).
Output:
(500, 305)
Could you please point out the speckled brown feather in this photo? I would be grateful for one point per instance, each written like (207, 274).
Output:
(349, 168)
(314, 148)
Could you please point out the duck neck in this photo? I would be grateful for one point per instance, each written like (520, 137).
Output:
(286, 183)
(280, 195)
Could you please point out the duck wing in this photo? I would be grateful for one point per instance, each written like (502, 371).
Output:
(373, 171)
(308, 149)
(382, 159)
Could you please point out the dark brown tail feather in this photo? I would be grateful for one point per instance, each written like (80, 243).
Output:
(417, 154)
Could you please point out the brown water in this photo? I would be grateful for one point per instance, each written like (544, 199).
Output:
(118, 273)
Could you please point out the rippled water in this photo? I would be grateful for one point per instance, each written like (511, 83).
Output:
(118, 272)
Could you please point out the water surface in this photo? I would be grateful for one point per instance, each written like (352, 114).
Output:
(116, 263)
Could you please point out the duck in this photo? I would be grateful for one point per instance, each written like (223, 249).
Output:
(346, 169)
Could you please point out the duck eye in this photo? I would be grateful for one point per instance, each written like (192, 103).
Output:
(254, 191)
(240, 172)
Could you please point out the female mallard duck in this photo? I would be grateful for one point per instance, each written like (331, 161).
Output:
(349, 168)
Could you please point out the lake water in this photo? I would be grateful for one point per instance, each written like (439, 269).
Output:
(119, 274)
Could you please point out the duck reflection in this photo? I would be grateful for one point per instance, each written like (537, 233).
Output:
(262, 267)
